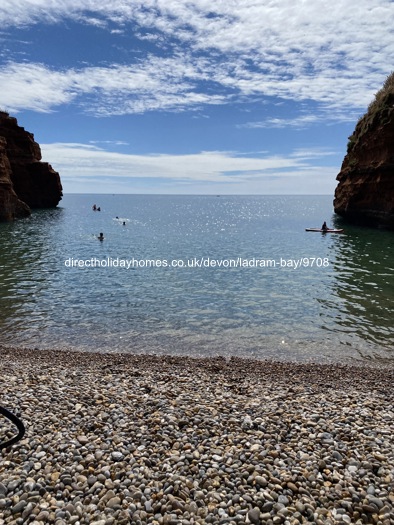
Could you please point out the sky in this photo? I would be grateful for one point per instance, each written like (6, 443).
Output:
(193, 96)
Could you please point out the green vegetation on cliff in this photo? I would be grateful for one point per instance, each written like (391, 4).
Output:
(365, 190)
(378, 112)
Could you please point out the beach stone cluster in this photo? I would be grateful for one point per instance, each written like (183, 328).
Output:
(114, 439)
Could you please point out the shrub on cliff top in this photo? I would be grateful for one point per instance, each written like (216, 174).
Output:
(382, 101)
(382, 95)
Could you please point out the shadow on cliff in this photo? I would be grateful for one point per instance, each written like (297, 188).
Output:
(365, 190)
(25, 181)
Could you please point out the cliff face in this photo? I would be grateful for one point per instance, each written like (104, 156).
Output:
(365, 193)
(10, 205)
(25, 181)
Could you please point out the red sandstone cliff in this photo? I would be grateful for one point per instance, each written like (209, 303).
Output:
(25, 181)
(10, 205)
(365, 192)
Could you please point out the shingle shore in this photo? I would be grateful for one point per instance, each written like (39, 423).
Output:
(119, 439)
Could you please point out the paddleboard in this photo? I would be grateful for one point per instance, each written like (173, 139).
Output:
(329, 230)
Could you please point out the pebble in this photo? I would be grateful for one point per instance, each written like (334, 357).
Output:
(18, 508)
(119, 439)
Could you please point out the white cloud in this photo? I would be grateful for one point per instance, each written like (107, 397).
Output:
(302, 120)
(216, 171)
(154, 84)
(112, 142)
(336, 55)
(32, 86)
(272, 122)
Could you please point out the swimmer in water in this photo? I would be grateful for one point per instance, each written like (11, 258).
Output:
(101, 237)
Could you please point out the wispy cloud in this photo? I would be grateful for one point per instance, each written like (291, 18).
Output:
(210, 53)
(33, 86)
(272, 122)
(227, 172)
(302, 120)
(110, 142)
(153, 85)
(290, 49)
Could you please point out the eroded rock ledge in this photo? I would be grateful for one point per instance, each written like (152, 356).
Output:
(25, 181)
(365, 193)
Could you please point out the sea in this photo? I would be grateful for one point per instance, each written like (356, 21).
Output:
(200, 276)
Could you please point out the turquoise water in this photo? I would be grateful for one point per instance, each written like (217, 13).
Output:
(336, 306)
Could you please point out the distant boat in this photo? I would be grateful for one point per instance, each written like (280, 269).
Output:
(328, 230)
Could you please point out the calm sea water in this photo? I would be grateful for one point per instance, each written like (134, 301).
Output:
(337, 306)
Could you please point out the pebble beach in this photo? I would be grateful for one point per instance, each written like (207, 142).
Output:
(115, 439)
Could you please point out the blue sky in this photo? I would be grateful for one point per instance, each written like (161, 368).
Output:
(193, 96)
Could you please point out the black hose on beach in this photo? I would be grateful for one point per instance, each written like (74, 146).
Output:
(19, 425)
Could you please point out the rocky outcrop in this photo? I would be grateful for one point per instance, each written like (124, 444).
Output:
(365, 193)
(25, 181)
(10, 206)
